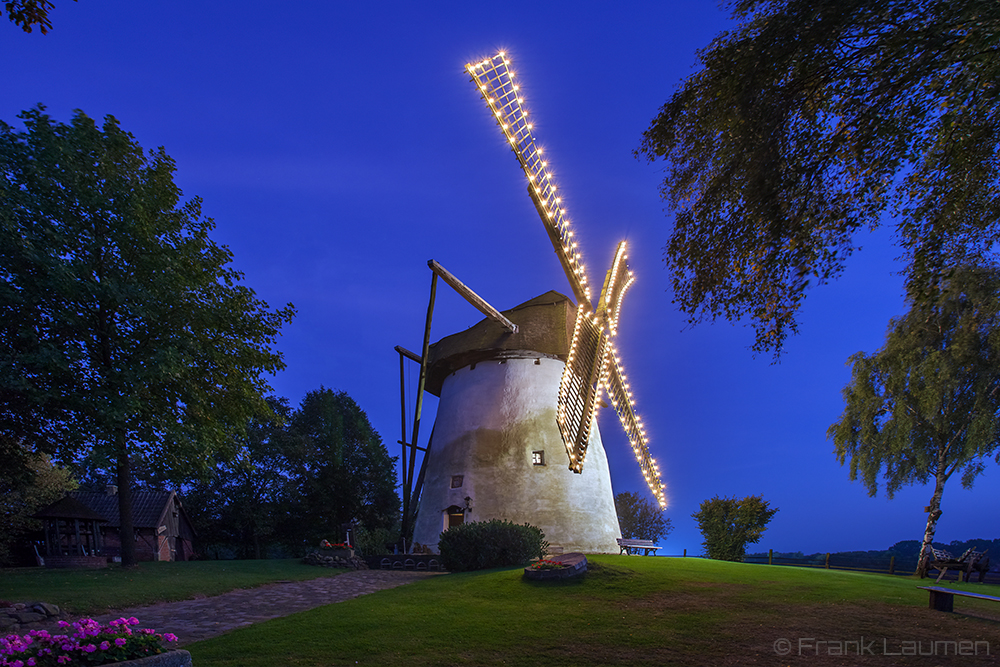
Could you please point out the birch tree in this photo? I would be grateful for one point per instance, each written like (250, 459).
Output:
(927, 405)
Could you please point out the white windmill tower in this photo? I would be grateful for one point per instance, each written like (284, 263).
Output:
(519, 391)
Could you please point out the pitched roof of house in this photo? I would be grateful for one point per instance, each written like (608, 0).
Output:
(68, 508)
(147, 506)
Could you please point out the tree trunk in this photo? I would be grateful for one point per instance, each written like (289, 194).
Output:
(934, 513)
(126, 530)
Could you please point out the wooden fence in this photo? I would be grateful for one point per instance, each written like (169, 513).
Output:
(892, 565)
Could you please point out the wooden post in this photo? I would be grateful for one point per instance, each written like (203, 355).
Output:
(770, 556)
(828, 561)
(892, 565)
(409, 501)
(402, 412)
(685, 554)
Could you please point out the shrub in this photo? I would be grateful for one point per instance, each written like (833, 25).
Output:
(374, 541)
(479, 545)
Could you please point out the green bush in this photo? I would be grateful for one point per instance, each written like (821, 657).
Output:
(479, 545)
(373, 541)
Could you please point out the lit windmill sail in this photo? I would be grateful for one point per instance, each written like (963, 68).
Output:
(592, 364)
(496, 84)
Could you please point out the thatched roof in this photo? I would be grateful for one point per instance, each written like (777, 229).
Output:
(68, 507)
(545, 324)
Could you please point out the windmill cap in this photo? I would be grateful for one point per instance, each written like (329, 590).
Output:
(545, 326)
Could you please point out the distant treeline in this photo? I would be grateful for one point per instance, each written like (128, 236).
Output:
(905, 552)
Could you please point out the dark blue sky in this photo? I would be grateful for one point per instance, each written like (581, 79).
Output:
(339, 146)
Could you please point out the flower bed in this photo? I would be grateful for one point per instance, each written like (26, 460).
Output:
(88, 645)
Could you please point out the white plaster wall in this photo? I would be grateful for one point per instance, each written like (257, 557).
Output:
(490, 419)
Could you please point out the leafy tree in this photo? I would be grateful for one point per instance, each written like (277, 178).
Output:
(729, 525)
(927, 405)
(640, 519)
(812, 120)
(45, 484)
(28, 13)
(246, 498)
(340, 468)
(123, 331)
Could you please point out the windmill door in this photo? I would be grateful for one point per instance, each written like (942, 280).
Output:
(454, 516)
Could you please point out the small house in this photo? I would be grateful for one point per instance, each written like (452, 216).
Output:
(162, 528)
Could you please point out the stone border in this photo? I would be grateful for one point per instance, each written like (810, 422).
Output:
(173, 658)
(23, 615)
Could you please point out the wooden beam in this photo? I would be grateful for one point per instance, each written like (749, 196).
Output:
(471, 296)
(412, 356)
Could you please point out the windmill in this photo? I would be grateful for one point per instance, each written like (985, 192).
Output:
(543, 367)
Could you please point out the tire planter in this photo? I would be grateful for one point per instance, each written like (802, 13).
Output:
(337, 553)
(573, 565)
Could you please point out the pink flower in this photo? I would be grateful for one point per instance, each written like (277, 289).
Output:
(105, 646)
(133, 621)
(121, 641)
(170, 637)
(63, 659)
(89, 648)
(31, 662)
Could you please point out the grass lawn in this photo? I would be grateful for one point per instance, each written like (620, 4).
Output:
(97, 591)
(628, 611)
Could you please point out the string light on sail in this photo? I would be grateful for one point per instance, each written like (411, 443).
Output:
(494, 79)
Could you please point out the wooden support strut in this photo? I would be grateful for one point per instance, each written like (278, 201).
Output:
(402, 406)
(409, 498)
(471, 296)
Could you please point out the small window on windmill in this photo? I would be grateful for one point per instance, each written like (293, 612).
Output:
(456, 481)
(538, 458)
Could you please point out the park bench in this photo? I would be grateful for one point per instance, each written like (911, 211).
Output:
(969, 562)
(943, 599)
(628, 546)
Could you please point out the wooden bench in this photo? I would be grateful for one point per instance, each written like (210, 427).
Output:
(627, 546)
(943, 599)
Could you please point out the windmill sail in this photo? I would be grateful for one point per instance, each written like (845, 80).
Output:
(579, 391)
(621, 399)
(592, 365)
(496, 85)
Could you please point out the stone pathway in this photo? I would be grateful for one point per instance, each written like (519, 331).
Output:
(194, 620)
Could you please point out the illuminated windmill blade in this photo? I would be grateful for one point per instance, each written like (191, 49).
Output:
(617, 281)
(580, 387)
(496, 84)
(621, 399)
